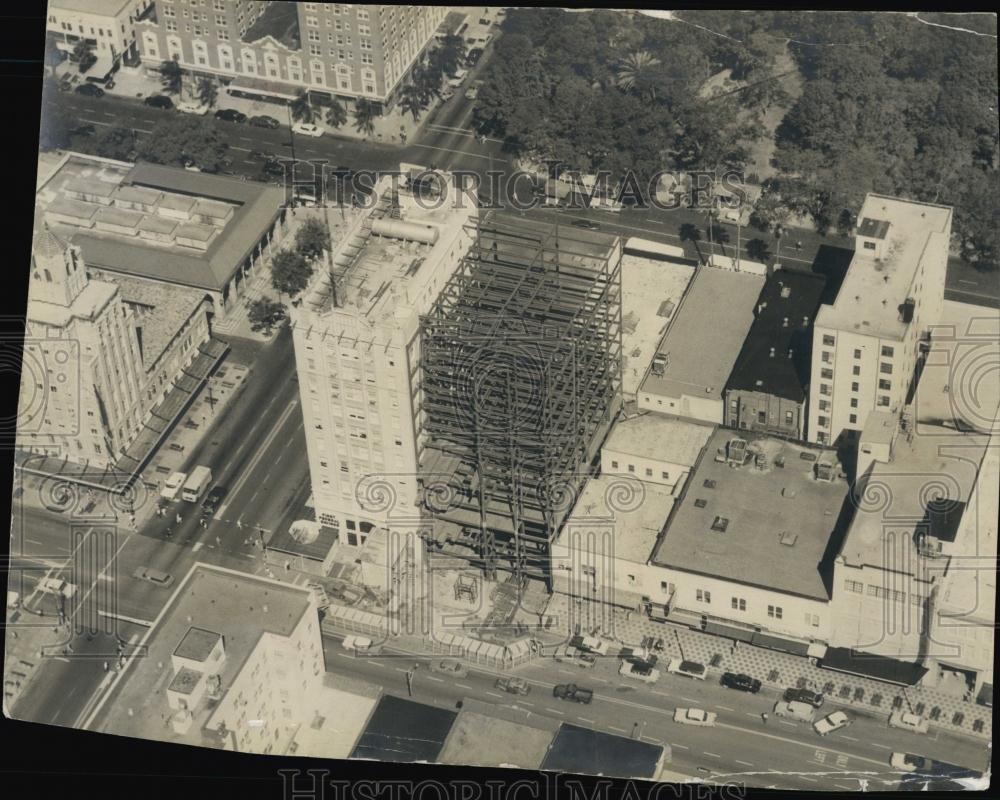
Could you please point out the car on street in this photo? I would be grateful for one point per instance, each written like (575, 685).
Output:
(230, 115)
(307, 129)
(908, 722)
(570, 691)
(574, 655)
(359, 644)
(832, 722)
(172, 486)
(83, 129)
(639, 672)
(814, 699)
(192, 107)
(907, 762)
(458, 78)
(212, 500)
(592, 644)
(473, 91)
(586, 224)
(450, 666)
(89, 90)
(740, 682)
(513, 685)
(56, 586)
(473, 56)
(159, 101)
(692, 669)
(264, 121)
(793, 709)
(695, 716)
(155, 576)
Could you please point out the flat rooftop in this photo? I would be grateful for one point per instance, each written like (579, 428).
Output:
(872, 291)
(404, 731)
(651, 292)
(197, 644)
(495, 736)
(659, 436)
(342, 709)
(776, 353)
(239, 607)
(227, 215)
(706, 334)
(634, 511)
(768, 527)
(587, 752)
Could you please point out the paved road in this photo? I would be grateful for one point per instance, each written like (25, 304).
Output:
(740, 748)
(257, 450)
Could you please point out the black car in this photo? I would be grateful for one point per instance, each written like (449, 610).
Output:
(804, 696)
(585, 223)
(473, 56)
(83, 129)
(90, 90)
(211, 502)
(274, 168)
(743, 683)
(159, 101)
(264, 121)
(230, 115)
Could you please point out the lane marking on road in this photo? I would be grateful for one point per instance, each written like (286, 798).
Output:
(526, 703)
(809, 745)
(807, 778)
(438, 680)
(145, 623)
(713, 755)
(454, 150)
(616, 728)
(970, 283)
(849, 737)
(789, 724)
(463, 686)
(494, 694)
(876, 744)
(726, 708)
(588, 721)
(689, 700)
(744, 763)
(681, 746)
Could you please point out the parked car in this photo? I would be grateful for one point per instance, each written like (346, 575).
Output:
(90, 90)
(211, 502)
(513, 685)
(83, 129)
(264, 121)
(591, 644)
(191, 107)
(587, 224)
(691, 669)
(307, 129)
(740, 682)
(908, 722)
(359, 644)
(450, 666)
(639, 672)
(159, 101)
(695, 716)
(230, 115)
(574, 655)
(157, 576)
(570, 691)
(907, 762)
(172, 486)
(794, 709)
(832, 722)
(814, 699)
(473, 56)
(473, 91)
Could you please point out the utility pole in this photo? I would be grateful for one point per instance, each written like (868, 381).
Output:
(409, 680)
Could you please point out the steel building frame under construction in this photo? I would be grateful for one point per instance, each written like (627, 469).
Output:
(520, 381)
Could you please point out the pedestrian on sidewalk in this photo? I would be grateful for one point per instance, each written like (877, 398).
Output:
(763, 716)
(178, 518)
(105, 666)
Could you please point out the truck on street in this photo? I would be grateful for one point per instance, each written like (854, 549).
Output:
(196, 484)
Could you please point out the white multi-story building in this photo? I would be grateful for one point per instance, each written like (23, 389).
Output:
(866, 345)
(357, 351)
(108, 25)
(81, 385)
(278, 49)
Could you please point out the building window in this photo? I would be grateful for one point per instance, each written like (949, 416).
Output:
(827, 357)
(739, 603)
(869, 245)
(703, 596)
(761, 417)
(631, 467)
(828, 340)
(854, 586)
(774, 612)
(824, 405)
(826, 374)
(665, 476)
(855, 387)
(649, 472)
(884, 385)
(854, 402)
(857, 354)
(883, 400)
(887, 352)
(885, 368)
(823, 438)
(822, 422)
(853, 419)
(614, 465)
(824, 388)
(856, 370)
(789, 418)
(812, 619)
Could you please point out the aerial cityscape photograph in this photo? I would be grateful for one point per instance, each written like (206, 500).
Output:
(537, 391)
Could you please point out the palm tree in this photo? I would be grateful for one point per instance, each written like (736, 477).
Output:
(171, 77)
(302, 110)
(633, 71)
(208, 92)
(411, 101)
(427, 81)
(364, 116)
(758, 249)
(688, 232)
(336, 115)
(450, 54)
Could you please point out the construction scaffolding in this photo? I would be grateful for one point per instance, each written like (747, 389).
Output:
(520, 381)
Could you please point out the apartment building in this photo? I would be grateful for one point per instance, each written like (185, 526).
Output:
(82, 378)
(275, 50)
(357, 351)
(107, 25)
(867, 344)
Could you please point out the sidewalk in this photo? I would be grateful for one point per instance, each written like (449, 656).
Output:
(782, 670)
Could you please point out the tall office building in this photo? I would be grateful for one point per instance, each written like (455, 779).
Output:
(277, 49)
(866, 346)
(357, 351)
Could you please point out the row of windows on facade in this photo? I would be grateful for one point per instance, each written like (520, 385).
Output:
(68, 28)
(734, 407)
(831, 341)
(827, 373)
(649, 472)
(740, 604)
(881, 592)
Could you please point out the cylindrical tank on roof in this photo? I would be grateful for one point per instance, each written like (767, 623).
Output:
(409, 231)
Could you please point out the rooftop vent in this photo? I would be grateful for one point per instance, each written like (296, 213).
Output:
(700, 503)
(786, 291)
(786, 492)
(709, 483)
(784, 322)
(788, 539)
(772, 352)
(805, 321)
(719, 524)
(791, 352)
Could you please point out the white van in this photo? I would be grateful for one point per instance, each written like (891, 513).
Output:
(196, 484)
(797, 710)
(459, 78)
(172, 486)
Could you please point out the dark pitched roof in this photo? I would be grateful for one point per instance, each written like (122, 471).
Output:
(587, 752)
(871, 665)
(787, 295)
(403, 730)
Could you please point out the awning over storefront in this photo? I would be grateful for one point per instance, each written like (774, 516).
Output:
(869, 665)
(729, 631)
(682, 617)
(793, 646)
(262, 88)
(985, 696)
(816, 650)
